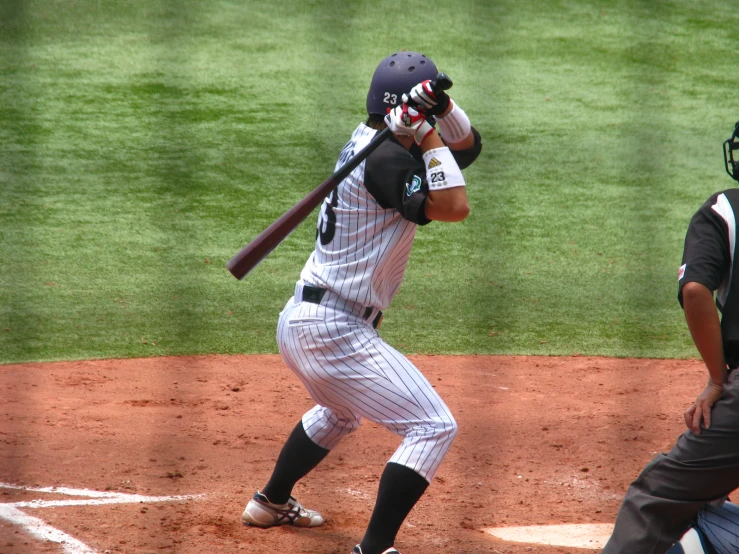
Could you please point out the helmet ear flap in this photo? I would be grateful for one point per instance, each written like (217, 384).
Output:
(730, 145)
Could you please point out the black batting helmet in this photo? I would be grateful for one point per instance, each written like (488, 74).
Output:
(730, 145)
(395, 75)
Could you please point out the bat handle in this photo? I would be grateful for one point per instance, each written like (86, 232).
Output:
(442, 82)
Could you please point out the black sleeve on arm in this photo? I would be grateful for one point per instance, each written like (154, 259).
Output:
(397, 180)
(706, 258)
(466, 157)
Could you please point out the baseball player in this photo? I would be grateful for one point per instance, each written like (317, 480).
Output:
(704, 463)
(715, 531)
(327, 332)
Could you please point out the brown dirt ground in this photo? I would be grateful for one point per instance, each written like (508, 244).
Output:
(543, 440)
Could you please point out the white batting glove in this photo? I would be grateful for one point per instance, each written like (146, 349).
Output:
(407, 122)
(424, 97)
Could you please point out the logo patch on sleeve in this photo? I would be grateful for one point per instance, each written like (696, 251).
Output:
(433, 163)
(681, 272)
(413, 186)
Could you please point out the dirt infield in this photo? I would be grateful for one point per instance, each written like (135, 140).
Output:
(541, 441)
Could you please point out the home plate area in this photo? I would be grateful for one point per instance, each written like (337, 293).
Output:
(589, 536)
(592, 535)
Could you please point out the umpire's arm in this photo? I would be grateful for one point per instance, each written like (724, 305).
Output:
(705, 328)
(706, 265)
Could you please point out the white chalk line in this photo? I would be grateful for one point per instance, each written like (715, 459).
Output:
(587, 535)
(41, 530)
(63, 490)
(98, 501)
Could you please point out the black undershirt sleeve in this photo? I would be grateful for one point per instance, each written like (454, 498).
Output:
(706, 258)
(397, 180)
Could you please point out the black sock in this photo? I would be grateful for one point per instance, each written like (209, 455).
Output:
(400, 489)
(297, 458)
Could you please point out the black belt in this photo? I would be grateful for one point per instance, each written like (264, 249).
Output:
(314, 295)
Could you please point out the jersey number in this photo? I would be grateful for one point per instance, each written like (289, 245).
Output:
(347, 153)
(327, 221)
(437, 177)
(390, 98)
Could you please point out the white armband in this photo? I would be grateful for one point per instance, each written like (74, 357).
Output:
(455, 126)
(442, 171)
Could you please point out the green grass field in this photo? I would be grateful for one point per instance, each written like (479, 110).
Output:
(145, 142)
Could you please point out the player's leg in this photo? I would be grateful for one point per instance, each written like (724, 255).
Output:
(719, 525)
(301, 453)
(715, 531)
(273, 504)
(661, 503)
(409, 406)
(347, 368)
(400, 490)
(298, 457)
(694, 542)
(352, 373)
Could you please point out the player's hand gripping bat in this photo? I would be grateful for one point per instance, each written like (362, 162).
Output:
(259, 248)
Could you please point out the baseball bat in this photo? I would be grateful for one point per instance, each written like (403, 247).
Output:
(259, 248)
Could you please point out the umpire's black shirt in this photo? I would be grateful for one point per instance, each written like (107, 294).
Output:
(709, 258)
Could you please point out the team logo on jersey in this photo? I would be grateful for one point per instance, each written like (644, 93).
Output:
(433, 163)
(681, 272)
(413, 186)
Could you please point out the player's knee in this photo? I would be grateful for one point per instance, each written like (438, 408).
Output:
(454, 428)
(446, 429)
(348, 426)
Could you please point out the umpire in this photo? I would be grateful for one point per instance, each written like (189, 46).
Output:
(703, 466)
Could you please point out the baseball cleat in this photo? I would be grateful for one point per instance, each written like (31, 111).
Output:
(260, 512)
(391, 550)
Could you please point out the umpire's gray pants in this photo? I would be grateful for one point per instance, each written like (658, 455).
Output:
(660, 505)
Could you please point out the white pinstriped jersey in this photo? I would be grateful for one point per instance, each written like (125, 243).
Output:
(362, 249)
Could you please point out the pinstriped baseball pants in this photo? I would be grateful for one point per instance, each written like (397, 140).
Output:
(351, 373)
(720, 525)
